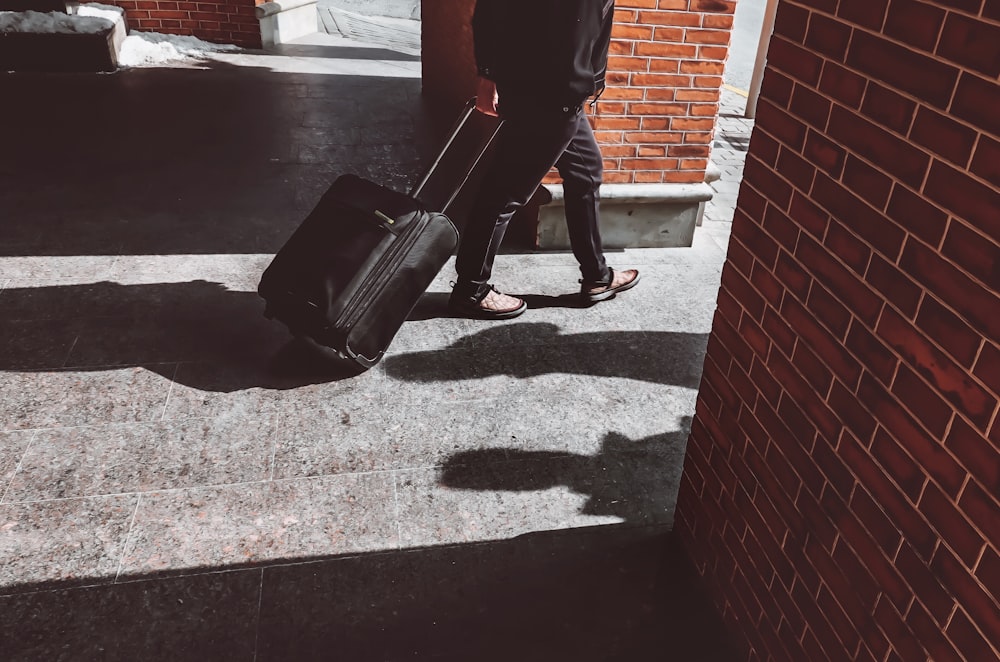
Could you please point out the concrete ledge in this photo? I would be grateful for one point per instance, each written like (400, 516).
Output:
(282, 21)
(60, 42)
(25, 51)
(108, 12)
(632, 215)
(713, 173)
(33, 5)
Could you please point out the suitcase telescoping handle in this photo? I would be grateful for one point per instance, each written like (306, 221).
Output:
(463, 119)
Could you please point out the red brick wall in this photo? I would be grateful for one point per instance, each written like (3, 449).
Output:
(664, 80)
(840, 490)
(219, 21)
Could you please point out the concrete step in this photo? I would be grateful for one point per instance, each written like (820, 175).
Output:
(388, 8)
(401, 34)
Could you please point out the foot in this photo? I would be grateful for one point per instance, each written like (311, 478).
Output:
(494, 305)
(619, 281)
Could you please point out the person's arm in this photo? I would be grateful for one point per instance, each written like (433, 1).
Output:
(487, 26)
(599, 57)
(486, 97)
(486, 35)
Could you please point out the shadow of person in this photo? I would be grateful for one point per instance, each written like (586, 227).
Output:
(635, 481)
(105, 325)
(530, 349)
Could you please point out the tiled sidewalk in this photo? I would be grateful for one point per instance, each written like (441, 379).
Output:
(153, 424)
(732, 139)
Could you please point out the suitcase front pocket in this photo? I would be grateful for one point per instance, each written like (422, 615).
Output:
(381, 272)
(348, 263)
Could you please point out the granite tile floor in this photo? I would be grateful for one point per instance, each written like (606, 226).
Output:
(179, 480)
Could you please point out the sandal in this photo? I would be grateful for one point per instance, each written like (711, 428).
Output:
(618, 281)
(493, 305)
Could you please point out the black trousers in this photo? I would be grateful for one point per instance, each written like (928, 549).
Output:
(527, 147)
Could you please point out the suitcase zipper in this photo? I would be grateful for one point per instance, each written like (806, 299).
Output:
(379, 277)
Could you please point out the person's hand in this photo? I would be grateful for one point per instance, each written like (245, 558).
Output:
(486, 97)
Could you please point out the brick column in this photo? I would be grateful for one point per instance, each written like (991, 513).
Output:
(840, 492)
(654, 124)
(665, 78)
(220, 21)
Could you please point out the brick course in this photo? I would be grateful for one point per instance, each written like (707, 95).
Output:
(219, 21)
(841, 489)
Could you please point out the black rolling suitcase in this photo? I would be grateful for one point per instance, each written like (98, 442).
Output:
(352, 272)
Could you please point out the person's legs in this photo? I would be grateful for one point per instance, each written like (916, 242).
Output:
(526, 149)
(582, 168)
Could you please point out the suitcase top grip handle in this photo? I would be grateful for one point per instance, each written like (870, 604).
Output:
(467, 112)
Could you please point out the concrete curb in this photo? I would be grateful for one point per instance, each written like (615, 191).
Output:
(632, 215)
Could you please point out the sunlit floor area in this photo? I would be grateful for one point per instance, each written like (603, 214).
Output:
(179, 479)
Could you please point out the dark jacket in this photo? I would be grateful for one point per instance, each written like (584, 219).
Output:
(545, 52)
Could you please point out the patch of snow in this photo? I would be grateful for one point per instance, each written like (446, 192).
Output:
(98, 10)
(52, 23)
(147, 49)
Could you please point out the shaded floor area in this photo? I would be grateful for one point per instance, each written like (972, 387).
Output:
(582, 594)
(179, 479)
